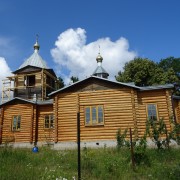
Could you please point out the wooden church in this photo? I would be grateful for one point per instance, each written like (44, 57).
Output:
(28, 116)
(40, 113)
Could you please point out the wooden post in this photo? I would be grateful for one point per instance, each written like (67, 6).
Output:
(42, 85)
(32, 123)
(78, 145)
(132, 150)
(1, 124)
(173, 107)
(36, 126)
(56, 119)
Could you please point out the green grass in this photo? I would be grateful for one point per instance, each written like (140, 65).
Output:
(100, 164)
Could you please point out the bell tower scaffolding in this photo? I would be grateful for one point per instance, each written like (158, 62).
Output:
(7, 87)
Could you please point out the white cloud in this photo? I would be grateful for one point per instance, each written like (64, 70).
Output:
(4, 72)
(72, 53)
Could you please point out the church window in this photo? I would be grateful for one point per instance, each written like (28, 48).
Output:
(152, 112)
(16, 123)
(94, 115)
(29, 80)
(49, 121)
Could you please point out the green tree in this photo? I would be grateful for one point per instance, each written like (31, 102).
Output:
(158, 77)
(171, 62)
(74, 79)
(144, 72)
(171, 76)
(61, 83)
(141, 72)
(171, 66)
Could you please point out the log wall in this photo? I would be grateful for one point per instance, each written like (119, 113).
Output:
(177, 110)
(67, 113)
(164, 107)
(24, 134)
(118, 113)
(123, 108)
(44, 134)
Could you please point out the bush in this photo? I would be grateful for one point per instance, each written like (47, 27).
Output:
(120, 137)
(175, 133)
(156, 130)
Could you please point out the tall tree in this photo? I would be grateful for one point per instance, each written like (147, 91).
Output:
(140, 71)
(61, 83)
(144, 72)
(74, 79)
(171, 62)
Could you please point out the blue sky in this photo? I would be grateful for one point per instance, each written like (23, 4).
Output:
(123, 29)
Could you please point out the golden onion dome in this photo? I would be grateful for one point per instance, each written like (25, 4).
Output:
(99, 58)
(36, 45)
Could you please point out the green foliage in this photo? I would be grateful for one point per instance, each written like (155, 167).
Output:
(74, 79)
(138, 71)
(156, 130)
(140, 155)
(144, 72)
(102, 163)
(176, 90)
(61, 83)
(175, 133)
(89, 164)
(120, 137)
(171, 63)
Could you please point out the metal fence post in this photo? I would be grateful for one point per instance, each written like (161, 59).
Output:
(78, 146)
(132, 150)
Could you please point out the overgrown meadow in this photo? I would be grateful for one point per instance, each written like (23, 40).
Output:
(162, 162)
(104, 163)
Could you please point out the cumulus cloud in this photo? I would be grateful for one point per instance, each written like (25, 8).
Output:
(79, 59)
(4, 72)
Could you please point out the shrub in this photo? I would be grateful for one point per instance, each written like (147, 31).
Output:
(120, 137)
(175, 133)
(140, 156)
(157, 129)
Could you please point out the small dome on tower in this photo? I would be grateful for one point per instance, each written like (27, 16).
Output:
(36, 46)
(35, 59)
(99, 58)
(100, 71)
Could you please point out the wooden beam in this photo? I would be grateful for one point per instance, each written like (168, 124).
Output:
(32, 124)
(169, 105)
(49, 74)
(56, 119)
(42, 83)
(1, 123)
(134, 109)
(36, 126)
